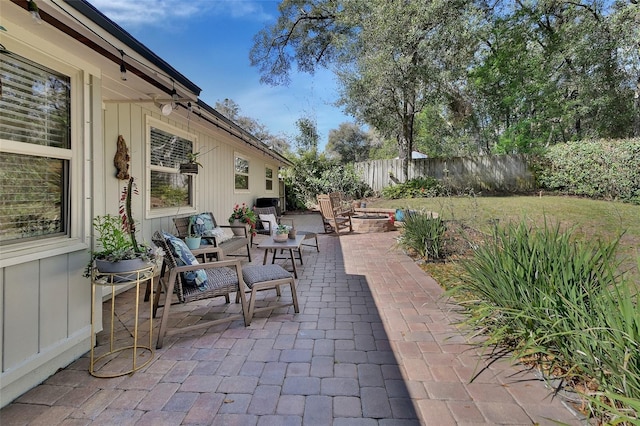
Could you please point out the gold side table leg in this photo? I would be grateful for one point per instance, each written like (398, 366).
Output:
(141, 276)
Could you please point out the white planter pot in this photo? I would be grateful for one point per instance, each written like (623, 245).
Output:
(236, 231)
(120, 268)
(280, 238)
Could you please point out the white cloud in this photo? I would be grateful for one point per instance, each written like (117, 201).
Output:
(159, 12)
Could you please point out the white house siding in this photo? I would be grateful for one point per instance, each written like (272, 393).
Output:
(44, 299)
(215, 180)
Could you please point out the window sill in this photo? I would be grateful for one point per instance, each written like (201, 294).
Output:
(28, 252)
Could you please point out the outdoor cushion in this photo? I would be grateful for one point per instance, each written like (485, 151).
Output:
(273, 223)
(183, 256)
(252, 274)
(202, 224)
(221, 235)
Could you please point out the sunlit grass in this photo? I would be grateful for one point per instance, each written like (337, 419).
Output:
(591, 219)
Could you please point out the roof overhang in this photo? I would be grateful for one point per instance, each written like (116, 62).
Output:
(105, 44)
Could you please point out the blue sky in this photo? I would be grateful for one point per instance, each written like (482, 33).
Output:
(209, 41)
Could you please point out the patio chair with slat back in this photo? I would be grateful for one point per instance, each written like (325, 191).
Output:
(263, 227)
(228, 247)
(222, 278)
(334, 218)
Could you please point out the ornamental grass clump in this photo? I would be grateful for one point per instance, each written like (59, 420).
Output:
(424, 234)
(560, 303)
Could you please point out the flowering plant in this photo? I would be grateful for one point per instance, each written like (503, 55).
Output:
(246, 215)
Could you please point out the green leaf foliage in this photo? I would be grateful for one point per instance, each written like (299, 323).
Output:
(546, 295)
(607, 169)
(415, 188)
(423, 233)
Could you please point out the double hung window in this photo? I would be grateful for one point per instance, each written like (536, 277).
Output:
(169, 189)
(269, 179)
(36, 151)
(241, 177)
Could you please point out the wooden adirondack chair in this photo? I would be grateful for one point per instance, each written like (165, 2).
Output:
(334, 217)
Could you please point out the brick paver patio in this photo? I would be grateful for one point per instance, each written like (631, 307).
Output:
(373, 344)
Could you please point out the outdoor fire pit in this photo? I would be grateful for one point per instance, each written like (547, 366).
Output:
(371, 223)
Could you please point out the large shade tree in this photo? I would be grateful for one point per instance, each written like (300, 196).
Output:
(348, 143)
(389, 55)
(551, 71)
(488, 76)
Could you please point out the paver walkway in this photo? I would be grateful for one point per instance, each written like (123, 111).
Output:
(373, 344)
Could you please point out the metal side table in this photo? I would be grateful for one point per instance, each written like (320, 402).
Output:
(117, 280)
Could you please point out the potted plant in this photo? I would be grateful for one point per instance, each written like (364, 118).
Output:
(281, 234)
(119, 251)
(193, 239)
(243, 215)
(192, 164)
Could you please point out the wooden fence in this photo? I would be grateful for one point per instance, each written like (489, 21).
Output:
(509, 173)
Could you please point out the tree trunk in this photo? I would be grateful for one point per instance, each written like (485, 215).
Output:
(636, 115)
(405, 140)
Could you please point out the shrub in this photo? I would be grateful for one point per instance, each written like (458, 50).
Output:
(423, 233)
(599, 169)
(545, 295)
(312, 175)
(414, 188)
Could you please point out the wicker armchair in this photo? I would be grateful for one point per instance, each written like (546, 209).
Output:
(223, 277)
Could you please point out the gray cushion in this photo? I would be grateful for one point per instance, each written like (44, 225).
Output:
(260, 273)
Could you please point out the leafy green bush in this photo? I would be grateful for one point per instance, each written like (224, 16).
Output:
(414, 188)
(608, 169)
(424, 234)
(545, 295)
(313, 174)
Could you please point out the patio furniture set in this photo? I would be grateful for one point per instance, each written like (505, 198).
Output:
(189, 280)
(338, 215)
(184, 279)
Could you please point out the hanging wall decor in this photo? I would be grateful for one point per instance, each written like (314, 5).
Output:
(121, 159)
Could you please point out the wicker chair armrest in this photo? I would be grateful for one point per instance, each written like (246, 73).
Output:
(208, 250)
(208, 265)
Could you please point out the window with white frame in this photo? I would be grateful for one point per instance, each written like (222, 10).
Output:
(241, 177)
(168, 188)
(36, 153)
(268, 179)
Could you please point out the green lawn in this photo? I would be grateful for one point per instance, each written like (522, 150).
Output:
(591, 218)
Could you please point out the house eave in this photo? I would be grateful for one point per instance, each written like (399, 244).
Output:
(129, 41)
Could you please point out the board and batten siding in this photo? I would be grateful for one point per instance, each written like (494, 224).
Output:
(214, 183)
(45, 301)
